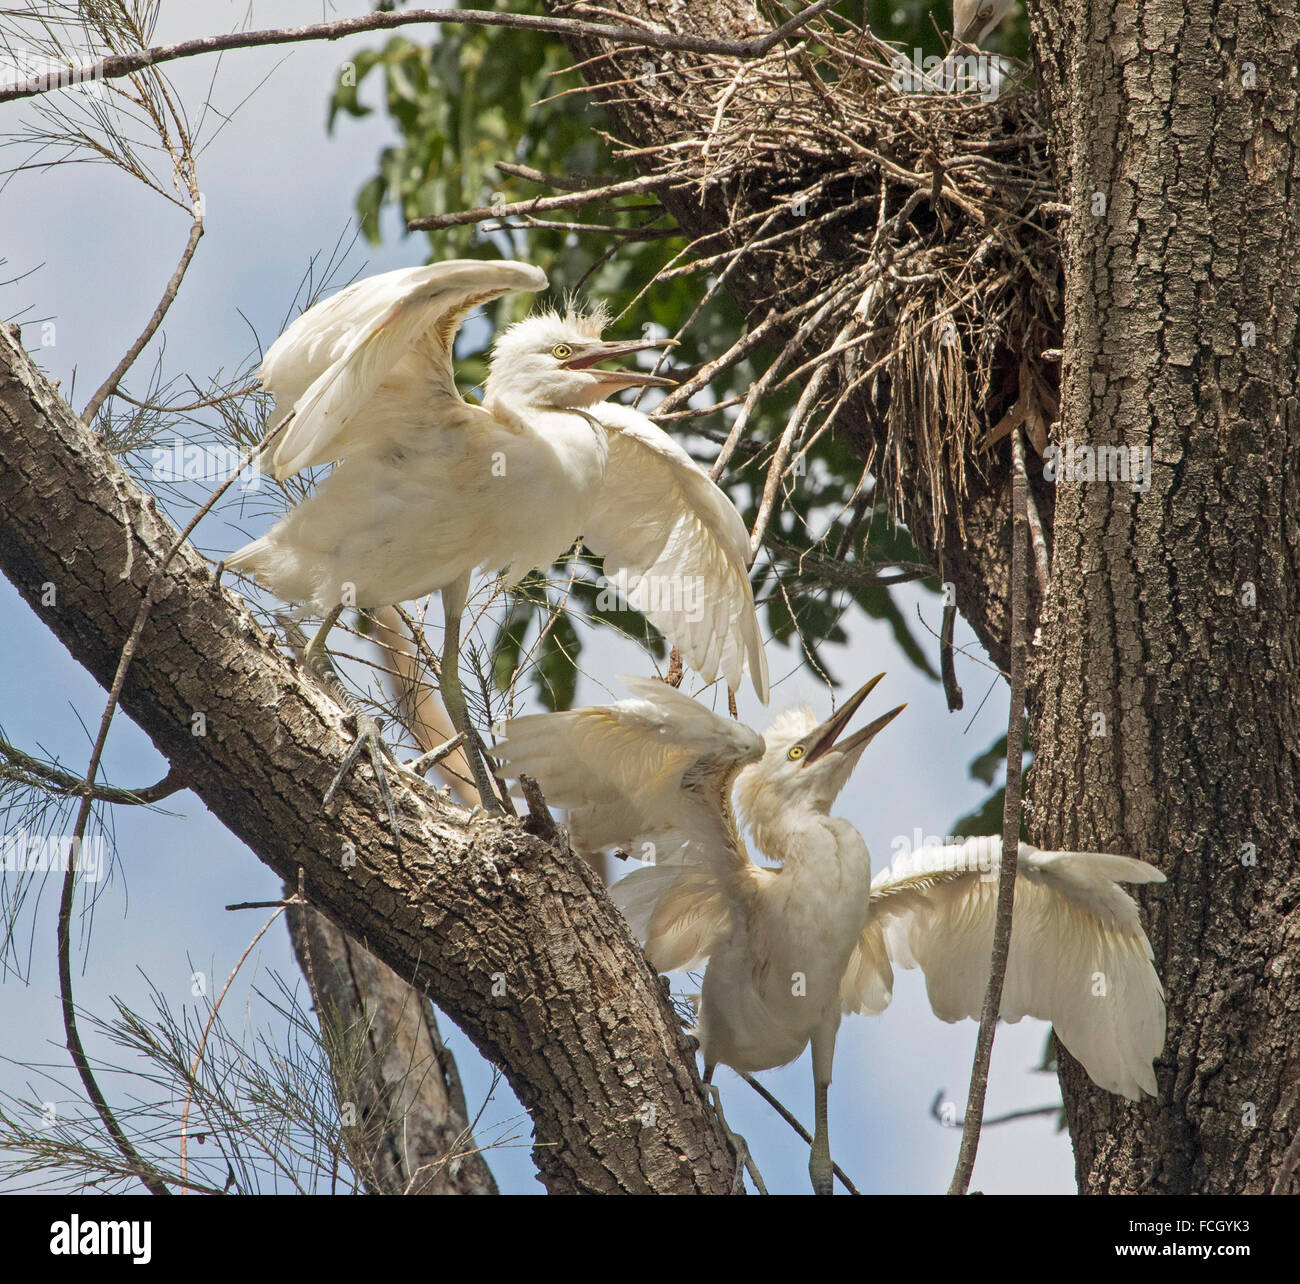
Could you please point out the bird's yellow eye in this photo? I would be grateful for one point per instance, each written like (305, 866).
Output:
(561, 352)
(796, 752)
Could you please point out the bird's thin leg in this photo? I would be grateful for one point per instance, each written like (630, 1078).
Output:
(315, 656)
(819, 1163)
(453, 694)
(369, 736)
(744, 1160)
(820, 1167)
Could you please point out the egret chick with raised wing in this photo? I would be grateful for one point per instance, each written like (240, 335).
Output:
(431, 487)
(788, 950)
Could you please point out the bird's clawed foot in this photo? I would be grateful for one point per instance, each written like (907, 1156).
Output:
(370, 739)
(317, 659)
(744, 1160)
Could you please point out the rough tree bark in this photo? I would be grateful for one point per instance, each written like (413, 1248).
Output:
(513, 937)
(1173, 613)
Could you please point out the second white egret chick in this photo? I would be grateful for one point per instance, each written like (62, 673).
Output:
(431, 487)
(788, 950)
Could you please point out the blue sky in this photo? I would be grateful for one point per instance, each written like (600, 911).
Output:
(277, 190)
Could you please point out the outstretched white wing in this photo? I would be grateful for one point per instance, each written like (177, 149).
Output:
(1079, 957)
(682, 546)
(656, 769)
(330, 362)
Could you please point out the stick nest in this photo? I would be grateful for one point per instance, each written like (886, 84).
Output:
(893, 235)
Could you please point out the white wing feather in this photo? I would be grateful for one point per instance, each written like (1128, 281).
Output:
(331, 361)
(683, 546)
(1079, 957)
(653, 769)
(617, 769)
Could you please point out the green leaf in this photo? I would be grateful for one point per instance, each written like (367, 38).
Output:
(370, 201)
(557, 672)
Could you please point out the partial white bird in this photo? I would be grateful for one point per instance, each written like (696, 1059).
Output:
(789, 949)
(432, 487)
(973, 20)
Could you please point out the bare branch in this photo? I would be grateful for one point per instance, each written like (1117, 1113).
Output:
(27, 770)
(119, 65)
(109, 386)
(970, 1136)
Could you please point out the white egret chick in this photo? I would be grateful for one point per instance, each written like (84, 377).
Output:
(788, 950)
(973, 20)
(432, 487)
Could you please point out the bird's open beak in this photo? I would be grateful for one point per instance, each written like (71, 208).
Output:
(822, 740)
(595, 353)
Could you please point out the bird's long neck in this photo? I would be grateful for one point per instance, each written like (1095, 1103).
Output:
(795, 835)
(520, 413)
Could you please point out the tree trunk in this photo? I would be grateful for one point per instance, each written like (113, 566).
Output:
(1166, 688)
(513, 937)
(410, 1130)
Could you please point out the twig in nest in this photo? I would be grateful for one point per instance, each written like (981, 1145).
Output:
(762, 385)
(738, 351)
(540, 204)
